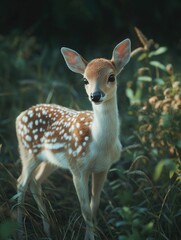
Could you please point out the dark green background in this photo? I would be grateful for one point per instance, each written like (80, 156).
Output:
(85, 23)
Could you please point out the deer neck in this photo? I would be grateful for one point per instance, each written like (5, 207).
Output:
(105, 128)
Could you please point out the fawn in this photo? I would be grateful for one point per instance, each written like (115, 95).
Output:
(85, 142)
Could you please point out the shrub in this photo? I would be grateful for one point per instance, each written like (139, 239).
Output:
(147, 196)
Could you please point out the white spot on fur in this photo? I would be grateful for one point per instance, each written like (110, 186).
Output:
(44, 112)
(25, 143)
(30, 113)
(48, 134)
(25, 129)
(65, 135)
(86, 138)
(30, 125)
(30, 151)
(78, 125)
(35, 131)
(38, 114)
(70, 138)
(74, 154)
(25, 119)
(38, 146)
(36, 122)
(79, 149)
(35, 137)
(70, 151)
(28, 138)
(54, 146)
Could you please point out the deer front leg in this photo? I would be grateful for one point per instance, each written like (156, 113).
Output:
(98, 180)
(81, 186)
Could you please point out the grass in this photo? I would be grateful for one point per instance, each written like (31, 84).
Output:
(141, 198)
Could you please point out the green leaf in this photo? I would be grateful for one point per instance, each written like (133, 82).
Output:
(148, 227)
(175, 169)
(158, 65)
(120, 223)
(145, 79)
(167, 120)
(129, 93)
(171, 173)
(158, 170)
(136, 222)
(159, 51)
(159, 81)
(142, 56)
(159, 167)
(138, 95)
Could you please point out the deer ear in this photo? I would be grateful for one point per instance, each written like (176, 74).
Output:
(121, 54)
(74, 61)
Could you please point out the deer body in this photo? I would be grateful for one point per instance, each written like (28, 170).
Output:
(85, 142)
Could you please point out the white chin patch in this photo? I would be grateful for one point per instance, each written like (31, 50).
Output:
(97, 103)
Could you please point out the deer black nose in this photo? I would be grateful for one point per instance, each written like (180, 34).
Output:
(96, 96)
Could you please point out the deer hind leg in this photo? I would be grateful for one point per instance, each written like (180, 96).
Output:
(81, 186)
(41, 173)
(98, 180)
(28, 166)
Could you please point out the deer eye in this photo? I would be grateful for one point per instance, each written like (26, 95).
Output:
(85, 81)
(111, 78)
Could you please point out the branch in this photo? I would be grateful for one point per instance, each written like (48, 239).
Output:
(145, 42)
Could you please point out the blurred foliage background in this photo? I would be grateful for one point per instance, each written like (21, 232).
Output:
(141, 199)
